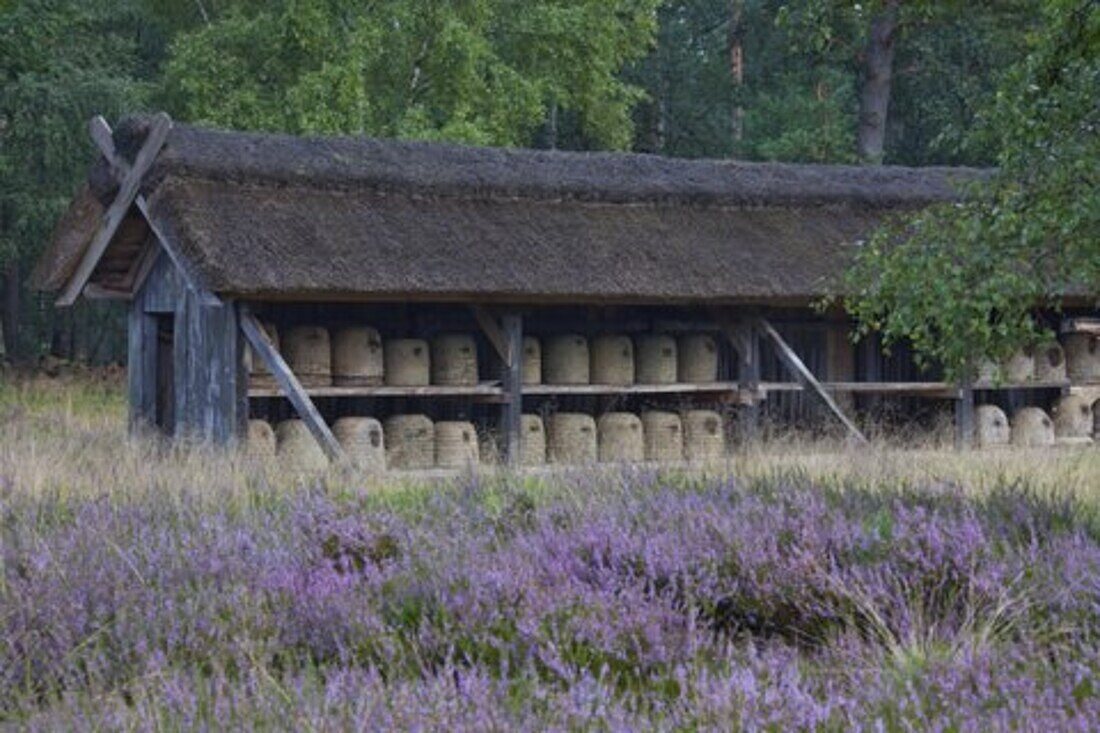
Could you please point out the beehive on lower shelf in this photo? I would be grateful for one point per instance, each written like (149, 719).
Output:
(532, 441)
(261, 439)
(993, 429)
(456, 444)
(1032, 427)
(572, 438)
(664, 436)
(362, 439)
(704, 437)
(410, 442)
(298, 450)
(620, 438)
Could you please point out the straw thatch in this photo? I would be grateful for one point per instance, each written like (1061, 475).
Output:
(407, 363)
(363, 440)
(565, 360)
(298, 449)
(262, 214)
(532, 441)
(572, 438)
(532, 360)
(697, 358)
(308, 353)
(620, 438)
(655, 355)
(993, 429)
(1032, 427)
(1083, 357)
(1050, 362)
(410, 442)
(1019, 367)
(260, 442)
(612, 360)
(1073, 417)
(456, 445)
(704, 436)
(258, 373)
(664, 436)
(357, 359)
(454, 360)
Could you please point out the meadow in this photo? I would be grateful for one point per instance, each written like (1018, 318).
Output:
(801, 586)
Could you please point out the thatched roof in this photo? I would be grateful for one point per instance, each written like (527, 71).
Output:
(278, 216)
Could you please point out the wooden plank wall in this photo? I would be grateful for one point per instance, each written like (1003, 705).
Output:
(210, 399)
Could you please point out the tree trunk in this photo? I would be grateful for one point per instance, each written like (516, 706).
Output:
(735, 41)
(878, 68)
(11, 310)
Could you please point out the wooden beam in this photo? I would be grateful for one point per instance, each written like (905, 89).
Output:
(964, 416)
(792, 361)
(1081, 325)
(292, 388)
(496, 334)
(742, 336)
(116, 212)
(104, 139)
(512, 382)
(167, 242)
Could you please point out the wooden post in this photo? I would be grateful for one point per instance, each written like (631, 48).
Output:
(792, 361)
(512, 382)
(261, 344)
(964, 416)
(141, 369)
(840, 359)
(743, 337)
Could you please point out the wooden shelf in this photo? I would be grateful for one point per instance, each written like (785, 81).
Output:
(1034, 384)
(901, 389)
(485, 392)
(729, 391)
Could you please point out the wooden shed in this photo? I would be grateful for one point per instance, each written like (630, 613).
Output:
(207, 234)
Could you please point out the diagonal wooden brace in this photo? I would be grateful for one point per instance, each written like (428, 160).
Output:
(791, 360)
(116, 212)
(292, 388)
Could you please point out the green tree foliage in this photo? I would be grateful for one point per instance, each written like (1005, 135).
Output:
(62, 62)
(479, 71)
(962, 281)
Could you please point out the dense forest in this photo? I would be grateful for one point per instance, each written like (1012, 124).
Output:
(916, 83)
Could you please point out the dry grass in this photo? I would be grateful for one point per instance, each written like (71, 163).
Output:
(67, 438)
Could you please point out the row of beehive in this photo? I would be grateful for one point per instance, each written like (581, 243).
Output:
(1075, 421)
(406, 442)
(357, 356)
(1076, 358)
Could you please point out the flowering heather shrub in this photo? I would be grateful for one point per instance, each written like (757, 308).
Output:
(640, 602)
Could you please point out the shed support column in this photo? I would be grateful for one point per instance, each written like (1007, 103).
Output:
(964, 416)
(512, 383)
(748, 361)
(210, 382)
(840, 360)
(142, 368)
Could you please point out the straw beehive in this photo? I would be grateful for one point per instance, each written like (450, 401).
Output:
(664, 436)
(1020, 367)
(258, 373)
(308, 353)
(1032, 427)
(532, 441)
(704, 438)
(532, 360)
(572, 438)
(565, 360)
(992, 426)
(357, 357)
(989, 371)
(1050, 362)
(454, 360)
(406, 363)
(1072, 417)
(409, 442)
(298, 449)
(697, 358)
(261, 439)
(363, 441)
(1083, 357)
(455, 445)
(612, 360)
(655, 355)
(621, 438)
